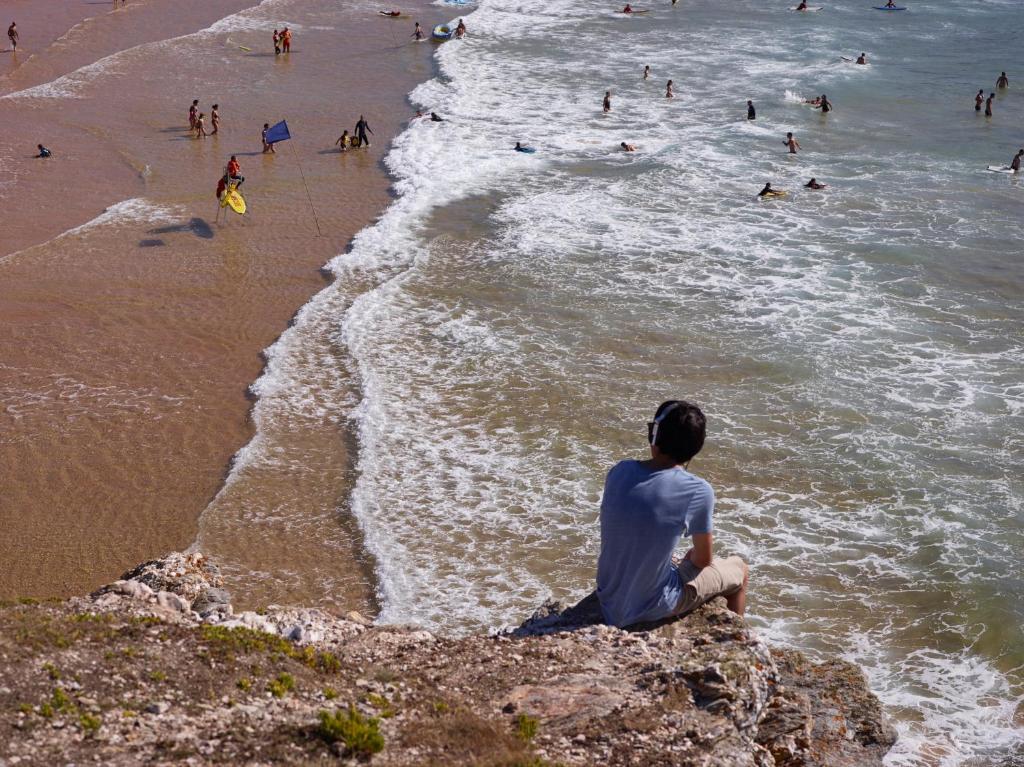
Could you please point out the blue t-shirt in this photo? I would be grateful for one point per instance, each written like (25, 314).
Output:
(644, 513)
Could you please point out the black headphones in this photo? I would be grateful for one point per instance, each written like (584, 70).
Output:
(652, 427)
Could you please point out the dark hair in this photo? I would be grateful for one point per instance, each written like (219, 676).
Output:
(678, 429)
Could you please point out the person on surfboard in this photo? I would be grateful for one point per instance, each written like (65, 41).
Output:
(1015, 162)
(862, 59)
(813, 184)
(769, 192)
(890, 4)
(627, 147)
(802, 6)
(1003, 81)
(628, 8)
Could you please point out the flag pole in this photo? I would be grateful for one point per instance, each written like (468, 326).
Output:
(308, 195)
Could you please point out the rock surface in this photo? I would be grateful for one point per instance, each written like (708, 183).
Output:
(157, 668)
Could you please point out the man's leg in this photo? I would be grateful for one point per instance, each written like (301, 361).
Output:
(738, 602)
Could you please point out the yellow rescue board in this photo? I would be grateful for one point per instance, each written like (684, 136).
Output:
(233, 199)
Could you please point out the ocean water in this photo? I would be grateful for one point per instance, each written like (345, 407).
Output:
(499, 338)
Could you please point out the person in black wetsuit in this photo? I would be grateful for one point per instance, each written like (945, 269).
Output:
(44, 152)
(361, 129)
(826, 105)
(1015, 162)
(751, 112)
(436, 118)
(813, 184)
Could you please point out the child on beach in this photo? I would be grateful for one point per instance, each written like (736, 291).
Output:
(201, 126)
(277, 43)
(215, 120)
(343, 141)
(193, 112)
(646, 508)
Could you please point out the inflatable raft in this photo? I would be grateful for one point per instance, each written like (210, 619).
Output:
(443, 32)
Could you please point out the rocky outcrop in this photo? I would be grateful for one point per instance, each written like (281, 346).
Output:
(158, 668)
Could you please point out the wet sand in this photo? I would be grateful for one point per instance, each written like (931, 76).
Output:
(129, 344)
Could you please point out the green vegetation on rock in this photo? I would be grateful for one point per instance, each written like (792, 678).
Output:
(360, 735)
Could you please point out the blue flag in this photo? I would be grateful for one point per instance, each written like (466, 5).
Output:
(278, 132)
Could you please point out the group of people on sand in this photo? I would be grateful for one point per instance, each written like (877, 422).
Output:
(359, 137)
(282, 41)
(197, 120)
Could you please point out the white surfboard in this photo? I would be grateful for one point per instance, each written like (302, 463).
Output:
(1001, 169)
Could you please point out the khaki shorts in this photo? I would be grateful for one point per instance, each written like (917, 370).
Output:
(723, 577)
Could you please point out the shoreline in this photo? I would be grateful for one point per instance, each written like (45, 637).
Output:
(132, 343)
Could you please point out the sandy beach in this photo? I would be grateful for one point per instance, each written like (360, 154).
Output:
(134, 321)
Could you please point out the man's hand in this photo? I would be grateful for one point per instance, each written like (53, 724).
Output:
(700, 555)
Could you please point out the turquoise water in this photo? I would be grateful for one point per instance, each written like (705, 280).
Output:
(858, 350)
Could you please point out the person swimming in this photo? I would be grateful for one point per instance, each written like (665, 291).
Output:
(751, 112)
(813, 184)
(862, 59)
(1015, 162)
(627, 147)
(524, 149)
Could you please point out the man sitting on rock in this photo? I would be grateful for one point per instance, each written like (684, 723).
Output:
(647, 507)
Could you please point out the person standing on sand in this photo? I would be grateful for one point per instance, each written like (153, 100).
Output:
(751, 112)
(277, 43)
(1003, 81)
(193, 112)
(979, 99)
(792, 143)
(646, 508)
(263, 137)
(201, 126)
(669, 93)
(215, 120)
(988, 105)
(12, 35)
(417, 33)
(607, 104)
(361, 129)
(286, 40)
